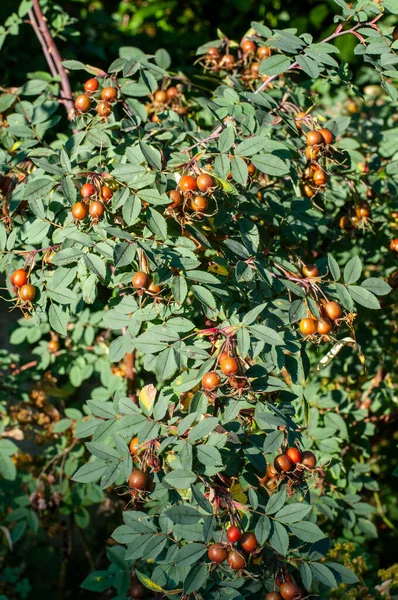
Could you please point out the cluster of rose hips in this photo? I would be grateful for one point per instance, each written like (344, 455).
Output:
(246, 65)
(90, 204)
(331, 311)
(166, 98)
(83, 102)
(188, 194)
(318, 143)
(25, 291)
(291, 464)
(143, 282)
(237, 560)
(231, 368)
(361, 215)
(219, 553)
(294, 458)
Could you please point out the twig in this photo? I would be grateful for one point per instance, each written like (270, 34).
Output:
(66, 92)
(216, 133)
(28, 365)
(55, 458)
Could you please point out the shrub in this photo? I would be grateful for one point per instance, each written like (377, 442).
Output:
(209, 270)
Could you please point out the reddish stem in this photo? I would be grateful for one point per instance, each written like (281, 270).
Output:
(33, 22)
(338, 32)
(52, 50)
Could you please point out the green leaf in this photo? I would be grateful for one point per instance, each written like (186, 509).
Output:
(266, 334)
(321, 573)
(344, 296)
(201, 500)
(276, 502)
(263, 529)
(307, 531)
(189, 554)
(273, 441)
(275, 65)
(226, 139)
(166, 364)
(152, 155)
(89, 289)
(98, 581)
(239, 170)
(309, 65)
(291, 513)
(279, 538)
(7, 468)
(352, 270)
(180, 479)
(202, 429)
(162, 58)
(376, 286)
(342, 573)
(270, 164)
(252, 315)
(209, 456)
(391, 5)
(131, 211)
(251, 146)
(156, 223)
(74, 65)
(179, 288)
(65, 161)
(91, 471)
(334, 268)
(58, 319)
(205, 297)
(306, 575)
(196, 578)
(66, 256)
(361, 296)
(183, 514)
(96, 265)
(367, 528)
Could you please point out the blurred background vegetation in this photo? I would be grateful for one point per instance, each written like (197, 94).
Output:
(98, 28)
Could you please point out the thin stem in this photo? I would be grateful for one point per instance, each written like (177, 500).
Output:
(33, 22)
(216, 133)
(66, 92)
(338, 32)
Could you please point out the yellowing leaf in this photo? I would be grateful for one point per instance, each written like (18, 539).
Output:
(151, 585)
(215, 267)
(237, 493)
(147, 398)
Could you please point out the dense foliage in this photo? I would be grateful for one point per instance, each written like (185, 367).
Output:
(198, 398)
